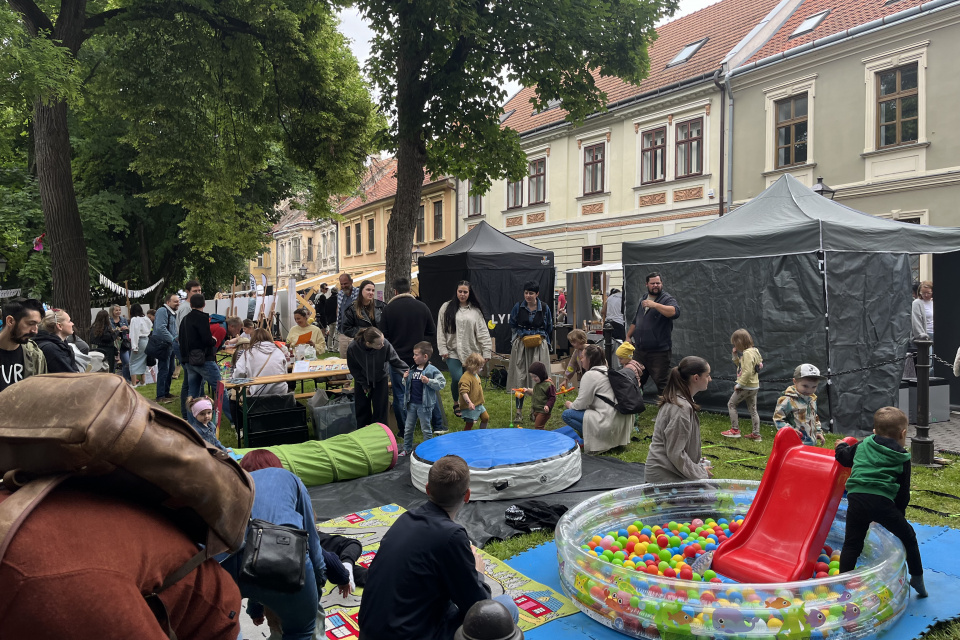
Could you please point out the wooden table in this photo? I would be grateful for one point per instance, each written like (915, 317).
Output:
(324, 371)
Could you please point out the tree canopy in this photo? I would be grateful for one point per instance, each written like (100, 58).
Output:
(438, 67)
(188, 121)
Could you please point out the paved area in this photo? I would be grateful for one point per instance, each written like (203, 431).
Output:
(946, 435)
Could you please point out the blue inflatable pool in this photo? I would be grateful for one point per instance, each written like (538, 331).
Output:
(504, 463)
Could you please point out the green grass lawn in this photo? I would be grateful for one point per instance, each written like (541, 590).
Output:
(732, 458)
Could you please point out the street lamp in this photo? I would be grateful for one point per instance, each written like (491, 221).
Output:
(823, 189)
(417, 254)
(302, 271)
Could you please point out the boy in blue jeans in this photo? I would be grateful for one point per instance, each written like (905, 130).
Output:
(421, 384)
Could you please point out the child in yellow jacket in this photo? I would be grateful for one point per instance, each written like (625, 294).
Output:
(749, 362)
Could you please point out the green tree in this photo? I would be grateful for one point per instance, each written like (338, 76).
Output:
(209, 93)
(438, 66)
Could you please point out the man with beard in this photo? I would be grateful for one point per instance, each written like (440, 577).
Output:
(20, 357)
(654, 326)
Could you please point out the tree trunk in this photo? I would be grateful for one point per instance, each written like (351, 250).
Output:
(411, 155)
(68, 249)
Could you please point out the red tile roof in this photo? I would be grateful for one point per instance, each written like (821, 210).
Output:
(844, 14)
(379, 182)
(724, 23)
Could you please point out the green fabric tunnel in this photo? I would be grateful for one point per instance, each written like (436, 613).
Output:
(364, 452)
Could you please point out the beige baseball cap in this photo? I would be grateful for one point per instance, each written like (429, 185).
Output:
(807, 371)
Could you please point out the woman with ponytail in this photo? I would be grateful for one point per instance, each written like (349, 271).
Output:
(674, 454)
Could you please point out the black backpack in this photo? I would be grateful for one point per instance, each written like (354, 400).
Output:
(498, 377)
(626, 391)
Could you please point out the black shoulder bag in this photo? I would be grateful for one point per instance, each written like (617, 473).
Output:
(275, 557)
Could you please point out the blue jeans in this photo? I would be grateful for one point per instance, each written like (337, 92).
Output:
(456, 372)
(209, 373)
(415, 412)
(573, 419)
(165, 367)
(396, 379)
(297, 611)
(125, 364)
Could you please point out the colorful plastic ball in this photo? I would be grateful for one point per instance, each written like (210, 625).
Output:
(663, 541)
(620, 555)
(670, 572)
(665, 554)
(834, 572)
(696, 522)
(649, 557)
(664, 565)
(834, 564)
(774, 623)
(652, 569)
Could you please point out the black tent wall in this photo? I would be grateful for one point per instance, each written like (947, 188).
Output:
(780, 300)
(946, 270)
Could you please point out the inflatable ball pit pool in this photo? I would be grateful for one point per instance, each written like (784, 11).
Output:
(641, 605)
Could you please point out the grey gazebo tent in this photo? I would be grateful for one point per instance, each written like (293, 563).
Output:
(811, 279)
(496, 266)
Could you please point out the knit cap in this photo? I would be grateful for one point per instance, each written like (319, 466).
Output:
(539, 370)
(625, 350)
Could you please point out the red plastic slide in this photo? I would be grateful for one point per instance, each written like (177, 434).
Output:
(787, 525)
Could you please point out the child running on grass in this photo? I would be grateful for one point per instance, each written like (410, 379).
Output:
(749, 362)
(797, 407)
(544, 395)
(878, 490)
(471, 393)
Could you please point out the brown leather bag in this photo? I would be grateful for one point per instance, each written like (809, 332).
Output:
(95, 425)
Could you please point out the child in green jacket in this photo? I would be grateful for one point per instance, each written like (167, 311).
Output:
(544, 394)
(797, 407)
(878, 490)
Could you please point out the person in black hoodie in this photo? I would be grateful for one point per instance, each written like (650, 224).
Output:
(878, 490)
(368, 358)
(406, 322)
(54, 327)
(198, 348)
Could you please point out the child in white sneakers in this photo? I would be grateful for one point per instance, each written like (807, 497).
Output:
(749, 362)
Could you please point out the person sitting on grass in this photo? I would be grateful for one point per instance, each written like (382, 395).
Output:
(202, 411)
(421, 384)
(592, 415)
(544, 395)
(577, 340)
(426, 574)
(797, 407)
(471, 393)
(878, 490)
(675, 450)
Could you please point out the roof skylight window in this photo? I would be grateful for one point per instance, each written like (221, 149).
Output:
(551, 104)
(687, 52)
(810, 24)
(504, 116)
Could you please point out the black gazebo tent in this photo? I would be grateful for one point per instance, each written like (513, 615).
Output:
(812, 280)
(496, 266)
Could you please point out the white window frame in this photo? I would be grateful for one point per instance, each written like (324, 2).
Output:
(926, 259)
(771, 95)
(588, 140)
(873, 65)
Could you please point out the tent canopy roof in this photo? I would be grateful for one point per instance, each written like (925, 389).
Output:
(789, 218)
(485, 247)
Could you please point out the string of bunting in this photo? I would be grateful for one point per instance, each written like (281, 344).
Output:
(120, 289)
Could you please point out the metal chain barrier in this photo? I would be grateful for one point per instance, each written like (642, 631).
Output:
(876, 365)
(940, 360)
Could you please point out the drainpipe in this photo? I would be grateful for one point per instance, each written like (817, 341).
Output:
(456, 209)
(723, 131)
(726, 82)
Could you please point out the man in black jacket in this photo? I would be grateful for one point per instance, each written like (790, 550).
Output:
(426, 575)
(653, 324)
(198, 349)
(405, 322)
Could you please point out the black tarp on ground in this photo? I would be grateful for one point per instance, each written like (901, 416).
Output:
(496, 266)
(792, 268)
(484, 521)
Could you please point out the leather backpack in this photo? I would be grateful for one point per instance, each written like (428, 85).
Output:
(96, 426)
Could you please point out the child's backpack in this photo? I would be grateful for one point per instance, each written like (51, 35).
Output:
(626, 391)
(96, 426)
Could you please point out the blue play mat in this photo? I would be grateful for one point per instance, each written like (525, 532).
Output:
(504, 463)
